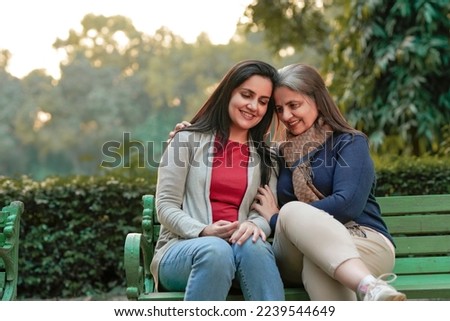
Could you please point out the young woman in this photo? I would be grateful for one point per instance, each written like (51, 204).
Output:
(329, 233)
(207, 180)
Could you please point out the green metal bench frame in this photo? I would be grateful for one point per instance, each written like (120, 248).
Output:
(9, 249)
(419, 224)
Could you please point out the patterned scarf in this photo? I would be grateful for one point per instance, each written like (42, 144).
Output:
(297, 152)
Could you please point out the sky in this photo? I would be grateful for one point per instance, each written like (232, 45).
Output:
(28, 28)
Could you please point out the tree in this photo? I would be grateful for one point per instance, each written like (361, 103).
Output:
(5, 56)
(388, 62)
(101, 105)
(11, 149)
(107, 41)
(392, 70)
(297, 23)
(34, 124)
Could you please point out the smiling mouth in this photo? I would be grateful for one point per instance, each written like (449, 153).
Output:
(247, 115)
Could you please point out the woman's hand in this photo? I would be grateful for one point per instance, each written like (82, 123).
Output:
(178, 126)
(222, 229)
(265, 203)
(247, 229)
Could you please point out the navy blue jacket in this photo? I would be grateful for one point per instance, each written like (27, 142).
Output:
(343, 171)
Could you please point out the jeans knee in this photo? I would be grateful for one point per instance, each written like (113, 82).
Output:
(251, 250)
(217, 252)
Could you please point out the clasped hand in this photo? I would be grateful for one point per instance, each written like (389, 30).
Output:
(234, 232)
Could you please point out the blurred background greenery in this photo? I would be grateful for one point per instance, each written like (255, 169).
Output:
(387, 64)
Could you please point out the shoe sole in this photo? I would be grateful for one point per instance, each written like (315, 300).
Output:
(397, 297)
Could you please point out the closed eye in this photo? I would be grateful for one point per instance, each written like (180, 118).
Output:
(264, 101)
(295, 105)
(246, 94)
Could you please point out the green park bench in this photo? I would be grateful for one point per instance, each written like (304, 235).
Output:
(9, 249)
(420, 226)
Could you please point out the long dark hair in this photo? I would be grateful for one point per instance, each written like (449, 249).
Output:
(214, 117)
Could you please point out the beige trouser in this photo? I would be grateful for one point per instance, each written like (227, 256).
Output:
(309, 244)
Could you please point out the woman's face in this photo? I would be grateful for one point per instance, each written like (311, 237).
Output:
(248, 105)
(296, 111)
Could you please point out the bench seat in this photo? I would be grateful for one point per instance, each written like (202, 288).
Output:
(419, 224)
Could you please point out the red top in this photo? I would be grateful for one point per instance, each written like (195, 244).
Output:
(229, 180)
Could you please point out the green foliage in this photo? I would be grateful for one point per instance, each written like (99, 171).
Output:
(106, 41)
(412, 175)
(287, 22)
(73, 231)
(388, 62)
(5, 56)
(11, 98)
(391, 65)
(294, 30)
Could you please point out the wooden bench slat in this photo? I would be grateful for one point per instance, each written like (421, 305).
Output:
(420, 245)
(421, 265)
(395, 205)
(162, 296)
(416, 224)
(424, 286)
(291, 294)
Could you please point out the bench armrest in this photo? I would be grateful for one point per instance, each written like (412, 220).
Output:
(9, 249)
(137, 257)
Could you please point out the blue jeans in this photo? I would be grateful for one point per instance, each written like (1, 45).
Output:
(205, 267)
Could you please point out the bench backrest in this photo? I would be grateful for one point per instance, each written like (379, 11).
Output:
(419, 224)
(9, 249)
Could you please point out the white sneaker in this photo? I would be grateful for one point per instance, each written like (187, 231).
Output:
(380, 290)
